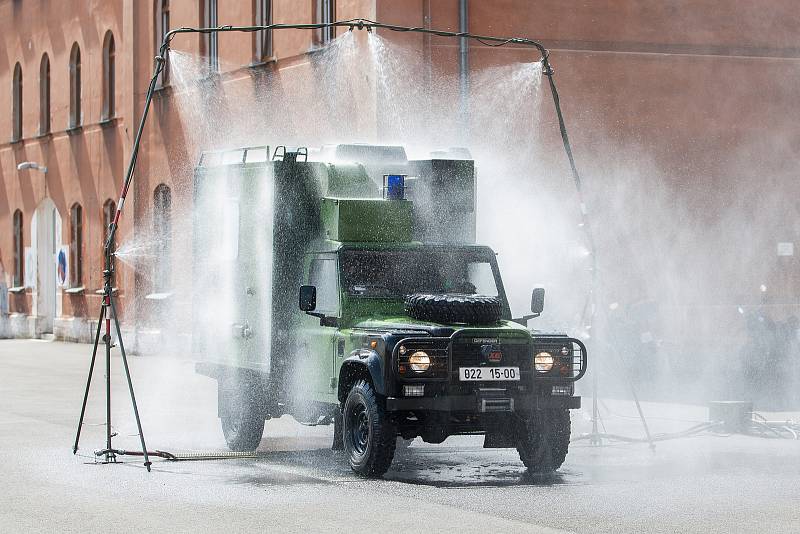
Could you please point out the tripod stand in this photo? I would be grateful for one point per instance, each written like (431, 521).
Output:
(596, 437)
(108, 311)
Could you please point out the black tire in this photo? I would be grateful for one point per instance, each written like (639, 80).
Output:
(454, 308)
(242, 416)
(368, 434)
(543, 440)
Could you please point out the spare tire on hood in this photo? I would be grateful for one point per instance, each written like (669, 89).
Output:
(454, 308)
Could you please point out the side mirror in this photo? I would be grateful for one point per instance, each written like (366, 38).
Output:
(537, 300)
(308, 298)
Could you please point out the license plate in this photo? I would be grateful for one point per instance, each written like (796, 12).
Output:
(474, 374)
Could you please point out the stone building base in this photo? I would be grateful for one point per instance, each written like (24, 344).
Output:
(75, 329)
(142, 340)
(19, 325)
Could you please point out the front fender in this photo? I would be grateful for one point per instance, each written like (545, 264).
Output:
(355, 366)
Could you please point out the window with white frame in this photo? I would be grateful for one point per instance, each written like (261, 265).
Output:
(16, 104)
(44, 95)
(109, 77)
(161, 25)
(75, 116)
(76, 245)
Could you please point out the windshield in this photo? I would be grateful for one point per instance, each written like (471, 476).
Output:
(398, 273)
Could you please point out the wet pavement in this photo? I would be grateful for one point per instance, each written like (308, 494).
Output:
(706, 483)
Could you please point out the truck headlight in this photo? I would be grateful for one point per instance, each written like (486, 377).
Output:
(419, 361)
(543, 362)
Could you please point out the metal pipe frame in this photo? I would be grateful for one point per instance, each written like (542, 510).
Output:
(108, 310)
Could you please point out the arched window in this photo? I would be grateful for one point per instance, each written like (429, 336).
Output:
(324, 13)
(162, 229)
(44, 95)
(109, 77)
(16, 104)
(161, 13)
(262, 41)
(75, 116)
(76, 245)
(210, 41)
(19, 251)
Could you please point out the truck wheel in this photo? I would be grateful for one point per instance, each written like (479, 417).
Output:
(543, 440)
(242, 419)
(369, 435)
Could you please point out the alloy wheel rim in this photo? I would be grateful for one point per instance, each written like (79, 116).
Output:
(359, 428)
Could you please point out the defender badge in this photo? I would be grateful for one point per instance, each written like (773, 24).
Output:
(492, 353)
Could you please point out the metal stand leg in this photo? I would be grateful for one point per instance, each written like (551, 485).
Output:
(109, 452)
(596, 439)
(89, 378)
(147, 462)
(641, 416)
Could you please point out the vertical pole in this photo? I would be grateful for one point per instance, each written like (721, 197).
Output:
(427, 56)
(463, 68)
(109, 456)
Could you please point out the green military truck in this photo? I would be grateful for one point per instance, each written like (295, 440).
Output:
(403, 329)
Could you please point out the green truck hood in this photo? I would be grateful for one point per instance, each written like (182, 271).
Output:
(407, 323)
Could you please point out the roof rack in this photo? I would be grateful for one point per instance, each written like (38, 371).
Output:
(250, 154)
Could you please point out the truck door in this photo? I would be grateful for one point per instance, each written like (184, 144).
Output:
(320, 341)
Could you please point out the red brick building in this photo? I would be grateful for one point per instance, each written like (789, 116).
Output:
(681, 115)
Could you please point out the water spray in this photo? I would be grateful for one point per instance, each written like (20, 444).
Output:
(108, 308)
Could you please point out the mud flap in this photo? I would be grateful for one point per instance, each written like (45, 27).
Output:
(338, 436)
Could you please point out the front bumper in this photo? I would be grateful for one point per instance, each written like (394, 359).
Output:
(476, 404)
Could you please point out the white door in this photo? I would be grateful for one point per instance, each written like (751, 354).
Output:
(47, 240)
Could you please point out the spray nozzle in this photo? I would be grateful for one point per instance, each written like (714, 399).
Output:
(360, 25)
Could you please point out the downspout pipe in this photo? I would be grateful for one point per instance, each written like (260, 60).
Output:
(463, 68)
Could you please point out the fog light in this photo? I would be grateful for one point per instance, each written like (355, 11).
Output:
(419, 361)
(564, 391)
(543, 362)
(417, 390)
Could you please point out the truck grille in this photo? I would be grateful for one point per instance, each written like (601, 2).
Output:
(467, 351)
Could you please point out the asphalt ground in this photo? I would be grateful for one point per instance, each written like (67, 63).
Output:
(706, 483)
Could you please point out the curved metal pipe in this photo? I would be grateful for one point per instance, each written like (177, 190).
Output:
(360, 24)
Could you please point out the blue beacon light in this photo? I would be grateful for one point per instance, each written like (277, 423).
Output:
(394, 186)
